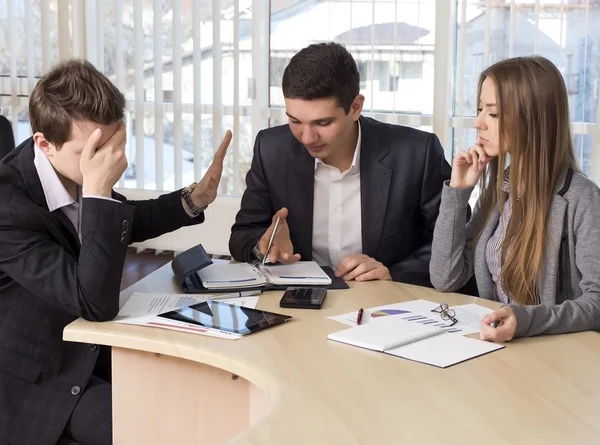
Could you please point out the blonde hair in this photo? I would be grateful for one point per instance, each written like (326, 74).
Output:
(533, 112)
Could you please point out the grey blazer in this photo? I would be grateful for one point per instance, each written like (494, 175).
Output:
(570, 295)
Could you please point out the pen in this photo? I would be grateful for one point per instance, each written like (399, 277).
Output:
(293, 277)
(496, 324)
(236, 294)
(359, 317)
(271, 241)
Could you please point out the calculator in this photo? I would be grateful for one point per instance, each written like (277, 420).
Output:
(303, 297)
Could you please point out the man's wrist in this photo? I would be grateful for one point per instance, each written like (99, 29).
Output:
(189, 205)
(256, 253)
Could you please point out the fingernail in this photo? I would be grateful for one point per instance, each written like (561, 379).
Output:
(96, 132)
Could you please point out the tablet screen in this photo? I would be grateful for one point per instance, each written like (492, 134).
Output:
(226, 317)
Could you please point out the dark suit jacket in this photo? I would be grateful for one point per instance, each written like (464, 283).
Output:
(47, 280)
(401, 175)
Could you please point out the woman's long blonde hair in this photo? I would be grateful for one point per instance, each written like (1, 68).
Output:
(534, 125)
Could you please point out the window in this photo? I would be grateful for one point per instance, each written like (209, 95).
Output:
(186, 90)
(419, 61)
(562, 31)
(28, 47)
(392, 42)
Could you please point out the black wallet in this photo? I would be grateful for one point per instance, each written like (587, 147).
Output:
(186, 264)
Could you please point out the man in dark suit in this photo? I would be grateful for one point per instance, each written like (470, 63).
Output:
(64, 234)
(352, 193)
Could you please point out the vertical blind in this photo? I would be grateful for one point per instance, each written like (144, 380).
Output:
(190, 70)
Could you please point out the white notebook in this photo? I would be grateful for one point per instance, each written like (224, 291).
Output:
(230, 275)
(413, 341)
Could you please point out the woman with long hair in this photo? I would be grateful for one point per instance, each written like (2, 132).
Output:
(533, 241)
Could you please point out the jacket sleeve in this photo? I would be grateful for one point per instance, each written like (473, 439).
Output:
(256, 211)
(452, 250)
(87, 286)
(583, 313)
(155, 217)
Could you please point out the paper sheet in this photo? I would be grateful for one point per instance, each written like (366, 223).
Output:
(142, 304)
(419, 311)
(470, 316)
(404, 308)
(142, 310)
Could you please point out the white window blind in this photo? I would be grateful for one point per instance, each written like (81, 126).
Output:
(192, 69)
(184, 67)
(560, 30)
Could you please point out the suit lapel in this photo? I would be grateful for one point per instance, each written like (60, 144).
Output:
(65, 232)
(554, 232)
(375, 178)
(300, 171)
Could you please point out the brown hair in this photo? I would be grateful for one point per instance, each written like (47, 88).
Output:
(73, 90)
(534, 124)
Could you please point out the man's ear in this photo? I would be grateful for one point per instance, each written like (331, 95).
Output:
(357, 106)
(46, 146)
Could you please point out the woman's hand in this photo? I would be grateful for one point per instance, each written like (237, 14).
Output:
(468, 166)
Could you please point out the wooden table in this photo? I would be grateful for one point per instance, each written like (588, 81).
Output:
(296, 387)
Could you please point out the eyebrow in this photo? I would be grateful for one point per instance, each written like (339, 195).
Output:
(488, 105)
(328, 118)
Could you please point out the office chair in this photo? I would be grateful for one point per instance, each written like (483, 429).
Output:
(7, 138)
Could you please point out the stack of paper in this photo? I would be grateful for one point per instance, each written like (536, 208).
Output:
(143, 309)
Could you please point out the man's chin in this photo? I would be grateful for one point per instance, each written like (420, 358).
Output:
(318, 152)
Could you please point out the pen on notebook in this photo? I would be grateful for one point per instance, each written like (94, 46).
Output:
(231, 281)
(236, 294)
(359, 316)
(302, 278)
(271, 240)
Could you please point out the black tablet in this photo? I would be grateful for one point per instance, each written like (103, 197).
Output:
(226, 317)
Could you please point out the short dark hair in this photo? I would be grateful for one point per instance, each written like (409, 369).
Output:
(321, 71)
(73, 90)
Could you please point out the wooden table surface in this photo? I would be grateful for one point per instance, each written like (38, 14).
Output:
(542, 390)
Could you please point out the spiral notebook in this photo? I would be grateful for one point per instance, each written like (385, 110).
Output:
(413, 341)
(302, 273)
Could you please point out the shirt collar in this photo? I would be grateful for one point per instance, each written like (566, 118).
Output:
(355, 167)
(55, 192)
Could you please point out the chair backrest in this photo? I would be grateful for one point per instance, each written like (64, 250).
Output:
(7, 138)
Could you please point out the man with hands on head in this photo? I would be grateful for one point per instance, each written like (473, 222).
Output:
(352, 193)
(64, 234)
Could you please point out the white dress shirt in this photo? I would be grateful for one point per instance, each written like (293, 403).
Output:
(337, 211)
(57, 196)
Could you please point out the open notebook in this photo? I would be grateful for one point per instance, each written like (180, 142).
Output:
(413, 341)
(236, 275)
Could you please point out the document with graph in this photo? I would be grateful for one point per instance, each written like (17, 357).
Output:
(413, 341)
